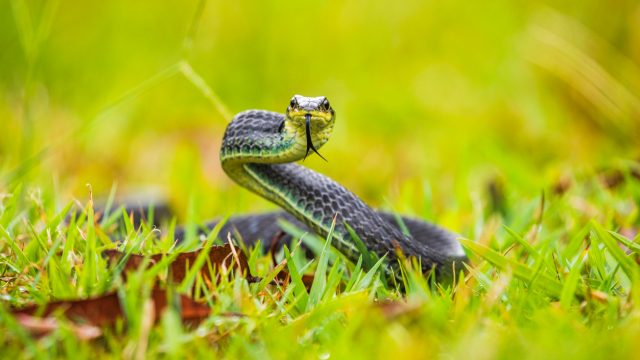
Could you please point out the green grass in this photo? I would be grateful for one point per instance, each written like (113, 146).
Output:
(553, 285)
(513, 124)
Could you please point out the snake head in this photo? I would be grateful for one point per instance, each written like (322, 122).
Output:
(310, 120)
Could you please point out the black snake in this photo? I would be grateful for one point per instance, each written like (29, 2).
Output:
(258, 151)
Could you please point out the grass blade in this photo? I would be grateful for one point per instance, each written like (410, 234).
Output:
(523, 272)
(627, 265)
(320, 278)
(296, 278)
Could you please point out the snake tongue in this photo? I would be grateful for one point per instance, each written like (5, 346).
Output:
(309, 142)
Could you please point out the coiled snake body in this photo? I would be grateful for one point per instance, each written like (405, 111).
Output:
(258, 152)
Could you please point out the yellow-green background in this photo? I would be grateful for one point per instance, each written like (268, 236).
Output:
(432, 97)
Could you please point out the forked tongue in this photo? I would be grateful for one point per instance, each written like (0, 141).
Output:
(309, 142)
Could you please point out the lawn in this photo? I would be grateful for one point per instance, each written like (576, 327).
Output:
(514, 124)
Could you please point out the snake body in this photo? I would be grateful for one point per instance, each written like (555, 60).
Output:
(259, 151)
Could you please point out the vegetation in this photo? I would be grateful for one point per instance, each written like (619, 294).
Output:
(515, 124)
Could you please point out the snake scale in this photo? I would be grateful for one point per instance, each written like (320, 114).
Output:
(259, 151)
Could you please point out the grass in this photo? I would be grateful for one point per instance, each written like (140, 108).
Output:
(553, 283)
(513, 124)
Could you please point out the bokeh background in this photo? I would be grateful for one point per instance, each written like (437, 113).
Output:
(438, 103)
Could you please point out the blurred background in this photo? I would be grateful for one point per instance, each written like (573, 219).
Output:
(438, 103)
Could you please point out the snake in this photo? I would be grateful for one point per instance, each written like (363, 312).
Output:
(260, 151)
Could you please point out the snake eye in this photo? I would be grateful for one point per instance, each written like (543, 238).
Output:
(325, 104)
(293, 103)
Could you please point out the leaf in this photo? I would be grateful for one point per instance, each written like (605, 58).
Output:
(401, 225)
(523, 272)
(626, 263)
(355, 274)
(53, 223)
(99, 311)
(38, 327)
(283, 277)
(369, 258)
(524, 243)
(631, 245)
(196, 265)
(296, 278)
(311, 240)
(220, 256)
(22, 260)
(370, 276)
(575, 243)
(571, 283)
(320, 280)
(103, 311)
(333, 279)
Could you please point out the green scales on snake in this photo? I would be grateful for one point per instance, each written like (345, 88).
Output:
(258, 152)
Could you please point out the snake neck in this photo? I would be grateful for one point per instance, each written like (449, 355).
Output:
(255, 136)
